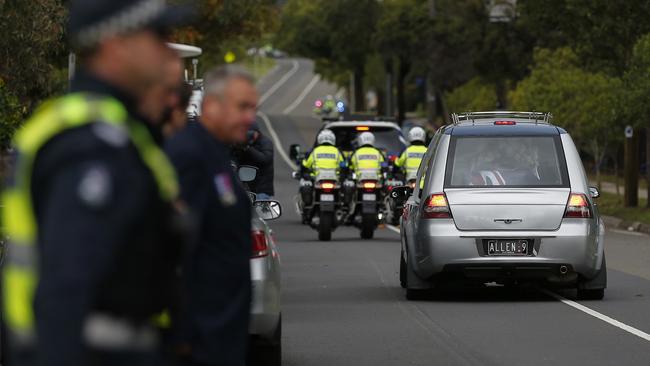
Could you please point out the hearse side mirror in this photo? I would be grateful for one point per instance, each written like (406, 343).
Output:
(594, 192)
(268, 209)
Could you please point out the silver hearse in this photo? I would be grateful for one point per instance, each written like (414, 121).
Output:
(502, 197)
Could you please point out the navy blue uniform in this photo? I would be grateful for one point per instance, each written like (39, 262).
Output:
(105, 239)
(216, 271)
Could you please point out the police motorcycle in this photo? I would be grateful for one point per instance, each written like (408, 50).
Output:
(319, 202)
(364, 194)
(329, 108)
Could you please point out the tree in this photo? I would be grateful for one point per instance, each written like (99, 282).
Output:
(475, 95)
(637, 93)
(333, 33)
(584, 103)
(225, 23)
(403, 31)
(601, 32)
(32, 48)
(33, 57)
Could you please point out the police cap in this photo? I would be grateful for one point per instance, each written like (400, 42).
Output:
(92, 21)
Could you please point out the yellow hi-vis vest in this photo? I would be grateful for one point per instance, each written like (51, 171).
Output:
(411, 158)
(55, 117)
(323, 157)
(366, 158)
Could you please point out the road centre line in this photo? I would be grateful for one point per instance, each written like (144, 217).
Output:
(639, 333)
(280, 82)
(302, 95)
(276, 140)
(393, 228)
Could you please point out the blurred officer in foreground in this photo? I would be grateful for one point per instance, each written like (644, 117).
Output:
(88, 207)
(216, 272)
(258, 152)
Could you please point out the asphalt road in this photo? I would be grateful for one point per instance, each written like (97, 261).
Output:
(342, 304)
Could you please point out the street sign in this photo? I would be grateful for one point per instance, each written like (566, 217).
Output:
(629, 132)
(230, 57)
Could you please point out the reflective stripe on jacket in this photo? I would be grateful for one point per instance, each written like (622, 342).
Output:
(323, 157)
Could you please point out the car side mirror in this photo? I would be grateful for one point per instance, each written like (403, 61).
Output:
(247, 173)
(294, 152)
(400, 194)
(268, 209)
(594, 192)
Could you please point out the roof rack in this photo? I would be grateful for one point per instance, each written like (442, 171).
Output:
(533, 117)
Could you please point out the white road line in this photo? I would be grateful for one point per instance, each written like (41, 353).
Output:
(393, 228)
(280, 82)
(302, 95)
(597, 315)
(276, 140)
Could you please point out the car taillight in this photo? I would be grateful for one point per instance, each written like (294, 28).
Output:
(578, 207)
(436, 207)
(260, 246)
(369, 185)
(505, 123)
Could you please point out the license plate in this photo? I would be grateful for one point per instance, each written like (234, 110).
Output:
(368, 197)
(327, 197)
(507, 247)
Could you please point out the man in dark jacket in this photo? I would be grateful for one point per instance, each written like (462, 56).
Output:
(216, 271)
(258, 152)
(89, 205)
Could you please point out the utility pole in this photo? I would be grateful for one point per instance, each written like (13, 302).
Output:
(388, 99)
(72, 66)
(631, 160)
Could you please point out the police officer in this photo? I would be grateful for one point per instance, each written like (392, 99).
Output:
(366, 157)
(325, 155)
(88, 206)
(410, 160)
(216, 270)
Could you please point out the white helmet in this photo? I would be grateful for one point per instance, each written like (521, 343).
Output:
(367, 138)
(326, 137)
(417, 134)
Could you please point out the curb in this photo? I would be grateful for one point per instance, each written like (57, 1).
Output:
(615, 222)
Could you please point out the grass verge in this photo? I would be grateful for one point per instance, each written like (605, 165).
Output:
(259, 66)
(611, 205)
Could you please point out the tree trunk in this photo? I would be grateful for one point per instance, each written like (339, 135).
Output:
(631, 194)
(617, 178)
(502, 95)
(404, 68)
(359, 95)
(388, 96)
(647, 164)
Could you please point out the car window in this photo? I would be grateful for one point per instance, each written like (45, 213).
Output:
(506, 161)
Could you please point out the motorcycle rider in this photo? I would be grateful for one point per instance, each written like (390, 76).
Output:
(367, 156)
(410, 160)
(324, 156)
